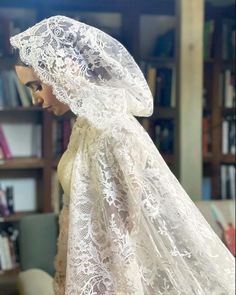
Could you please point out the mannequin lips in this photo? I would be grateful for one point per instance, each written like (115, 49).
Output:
(48, 108)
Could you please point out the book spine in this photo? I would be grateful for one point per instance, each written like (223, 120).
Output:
(10, 199)
(151, 79)
(7, 253)
(205, 136)
(223, 181)
(3, 204)
(2, 255)
(232, 181)
(4, 145)
(225, 132)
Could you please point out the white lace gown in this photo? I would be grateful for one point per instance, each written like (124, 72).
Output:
(136, 231)
(127, 226)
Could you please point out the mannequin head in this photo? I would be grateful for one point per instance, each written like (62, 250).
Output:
(42, 94)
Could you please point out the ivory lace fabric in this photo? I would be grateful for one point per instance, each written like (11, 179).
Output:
(129, 227)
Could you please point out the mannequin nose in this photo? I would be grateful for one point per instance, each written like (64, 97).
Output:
(36, 100)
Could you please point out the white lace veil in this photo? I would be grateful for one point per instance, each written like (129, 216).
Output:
(132, 227)
(89, 70)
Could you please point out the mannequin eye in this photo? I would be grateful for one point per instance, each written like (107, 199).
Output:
(38, 87)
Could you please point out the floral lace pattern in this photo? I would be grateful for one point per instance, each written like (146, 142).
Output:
(86, 68)
(131, 229)
(136, 231)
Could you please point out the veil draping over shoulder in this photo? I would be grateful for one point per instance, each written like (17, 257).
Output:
(133, 230)
(89, 70)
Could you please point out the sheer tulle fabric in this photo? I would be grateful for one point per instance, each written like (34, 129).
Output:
(132, 229)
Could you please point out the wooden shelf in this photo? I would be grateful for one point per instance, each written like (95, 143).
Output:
(206, 111)
(20, 109)
(169, 158)
(207, 158)
(228, 111)
(22, 163)
(163, 113)
(16, 216)
(8, 277)
(228, 61)
(21, 114)
(163, 7)
(209, 61)
(228, 159)
(55, 163)
(160, 60)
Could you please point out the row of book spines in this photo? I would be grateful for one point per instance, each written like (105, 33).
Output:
(228, 39)
(228, 136)
(227, 183)
(228, 175)
(162, 133)
(161, 81)
(12, 92)
(8, 258)
(227, 89)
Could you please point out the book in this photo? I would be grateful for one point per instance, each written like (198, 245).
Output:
(223, 181)
(4, 144)
(228, 39)
(206, 139)
(228, 181)
(164, 46)
(6, 251)
(151, 79)
(10, 199)
(228, 135)
(164, 136)
(9, 89)
(206, 188)
(232, 135)
(232, 176)
(228, 89)
(23, 93)
(208, 38)
(225, 133)
(2, 254)
(146, 124)
(164, 86)
(4, 211)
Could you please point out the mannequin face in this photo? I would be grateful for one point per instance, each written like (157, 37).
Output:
(41, 93)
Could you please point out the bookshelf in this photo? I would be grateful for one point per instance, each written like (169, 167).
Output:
(219, 84)
(130, 22)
